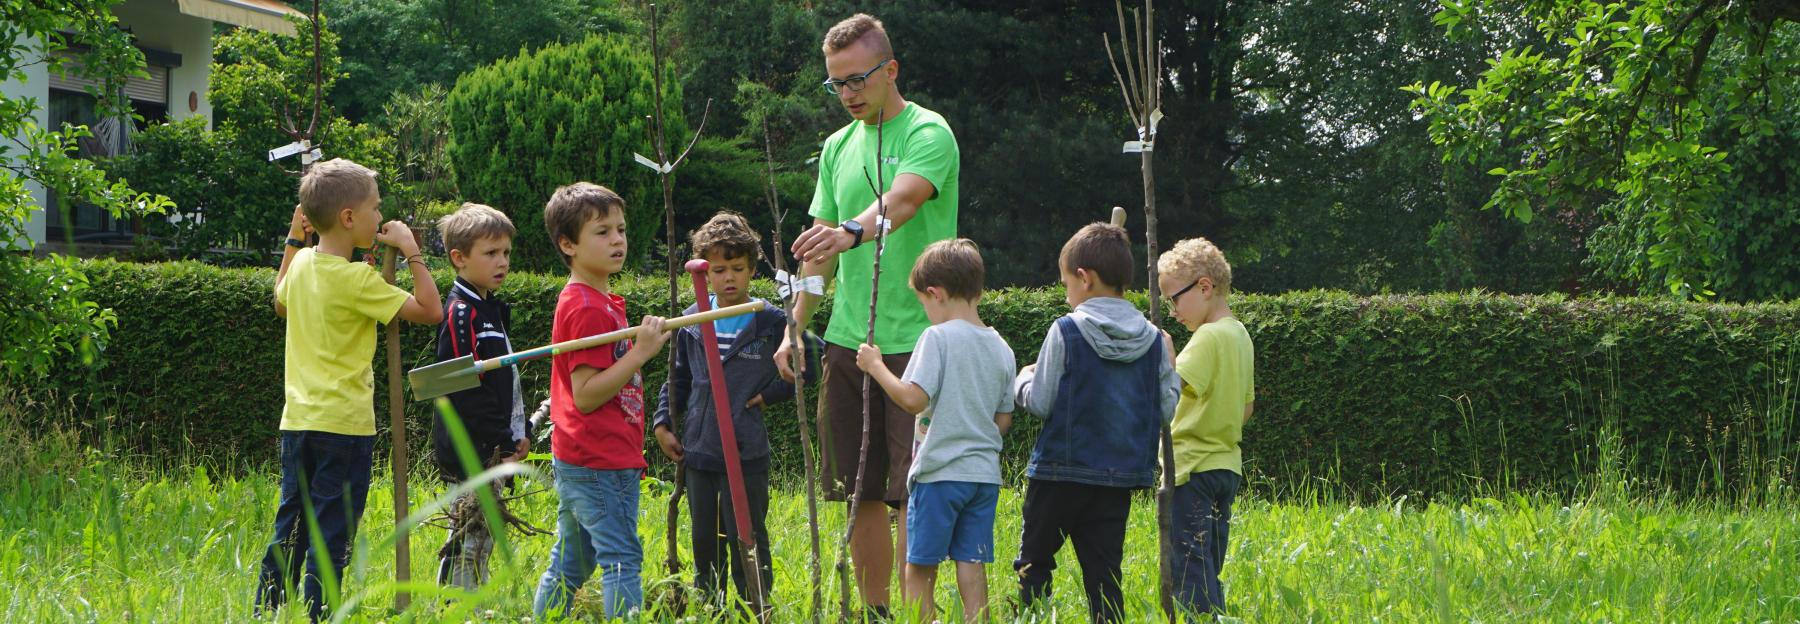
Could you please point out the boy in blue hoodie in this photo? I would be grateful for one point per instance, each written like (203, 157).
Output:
(747, 347)
(1104, 382)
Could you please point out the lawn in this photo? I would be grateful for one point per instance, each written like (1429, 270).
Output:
(99, 538)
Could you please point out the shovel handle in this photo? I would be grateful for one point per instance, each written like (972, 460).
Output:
(610, 337)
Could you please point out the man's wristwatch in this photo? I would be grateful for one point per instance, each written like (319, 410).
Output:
(296, 243)
(855, 229)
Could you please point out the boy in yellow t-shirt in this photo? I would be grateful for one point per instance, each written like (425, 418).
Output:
(1218, 374)
(328, 423)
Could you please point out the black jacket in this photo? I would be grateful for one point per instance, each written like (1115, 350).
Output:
(493, 414)
(749, 370)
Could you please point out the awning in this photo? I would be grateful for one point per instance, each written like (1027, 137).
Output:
(264, 15)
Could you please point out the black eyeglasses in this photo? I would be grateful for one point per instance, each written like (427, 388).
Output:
(854, 83)
(1177, 296)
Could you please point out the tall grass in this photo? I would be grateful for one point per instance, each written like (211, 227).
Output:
(90, 534)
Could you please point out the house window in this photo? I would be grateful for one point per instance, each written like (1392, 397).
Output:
(70, 103)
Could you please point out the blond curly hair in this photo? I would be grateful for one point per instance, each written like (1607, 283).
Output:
(1194, 258)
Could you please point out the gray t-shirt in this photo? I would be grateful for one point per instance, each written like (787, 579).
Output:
(967, 370)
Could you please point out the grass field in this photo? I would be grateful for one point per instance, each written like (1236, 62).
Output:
(87, 537)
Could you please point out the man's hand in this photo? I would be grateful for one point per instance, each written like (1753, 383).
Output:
(671, 447)
(1029, 369)
(400, 237)
(754, 402)
(821, 242)
(650, 336)
(868, 358)
(784, 361)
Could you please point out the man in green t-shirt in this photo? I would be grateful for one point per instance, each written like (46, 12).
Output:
(918, 168)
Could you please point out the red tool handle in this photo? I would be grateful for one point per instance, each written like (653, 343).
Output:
(715, 370)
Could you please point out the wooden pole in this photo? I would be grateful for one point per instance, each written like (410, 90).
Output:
(397, 429)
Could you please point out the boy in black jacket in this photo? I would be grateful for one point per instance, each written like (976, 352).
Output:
(479, 241)
(747, 345)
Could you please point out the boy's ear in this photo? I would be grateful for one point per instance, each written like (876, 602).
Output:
(567, 246)
(457, 258)
(1086, 277)
(346, 217)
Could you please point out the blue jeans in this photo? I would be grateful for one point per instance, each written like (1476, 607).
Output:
(330, 473)
(1201, 526)
(596, 526)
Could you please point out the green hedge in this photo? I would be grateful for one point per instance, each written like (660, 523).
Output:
(1370, 395)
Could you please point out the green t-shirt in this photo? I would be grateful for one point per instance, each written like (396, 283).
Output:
(1218, 374)
(919, 142)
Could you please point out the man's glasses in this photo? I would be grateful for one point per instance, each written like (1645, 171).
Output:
(854, 83)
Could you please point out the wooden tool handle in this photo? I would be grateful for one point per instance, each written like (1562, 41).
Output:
(610, 337)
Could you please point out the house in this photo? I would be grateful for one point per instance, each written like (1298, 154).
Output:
(176, 39)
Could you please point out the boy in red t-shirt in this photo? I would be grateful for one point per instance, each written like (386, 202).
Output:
(597, 405)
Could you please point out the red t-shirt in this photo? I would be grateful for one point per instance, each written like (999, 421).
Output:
(612, 436)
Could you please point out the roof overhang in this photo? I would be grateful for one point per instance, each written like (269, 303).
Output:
(264, 15)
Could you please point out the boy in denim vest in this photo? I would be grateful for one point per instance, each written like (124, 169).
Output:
(1103, 383)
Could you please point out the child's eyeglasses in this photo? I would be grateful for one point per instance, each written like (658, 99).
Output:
(1177, 296)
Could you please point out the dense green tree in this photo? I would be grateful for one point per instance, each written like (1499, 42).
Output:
(523, 126)
(399, 46)
(1628, 112)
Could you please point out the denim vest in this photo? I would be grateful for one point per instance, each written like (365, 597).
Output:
(1103, 427)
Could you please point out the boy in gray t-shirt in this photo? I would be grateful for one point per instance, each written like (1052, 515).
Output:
(959, 383)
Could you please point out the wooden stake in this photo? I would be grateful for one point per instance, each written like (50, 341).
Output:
(796, 335)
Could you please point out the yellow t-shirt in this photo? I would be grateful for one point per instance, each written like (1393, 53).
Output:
(332, 306)
(1218, 374)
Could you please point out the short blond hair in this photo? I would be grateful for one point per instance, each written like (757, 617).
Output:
(473, 223)
(1194, 258)
(331, 186)
(860, 27)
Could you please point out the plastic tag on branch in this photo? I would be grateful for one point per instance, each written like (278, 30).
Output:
(312, 157)
(289, 150)
(1146, 135)
(786, 284)
(662, 168)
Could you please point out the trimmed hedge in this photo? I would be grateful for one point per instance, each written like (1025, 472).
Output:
(1376, 396)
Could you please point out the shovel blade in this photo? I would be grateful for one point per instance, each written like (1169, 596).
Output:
(448, 376)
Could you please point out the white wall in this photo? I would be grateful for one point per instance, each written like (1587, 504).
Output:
(35, 86)
(159, 24)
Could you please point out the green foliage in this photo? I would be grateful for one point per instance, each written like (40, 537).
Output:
(523, 126)
(226, 192)
(1624, 111)
(1379, 395)
(44, 310)
(394, 47)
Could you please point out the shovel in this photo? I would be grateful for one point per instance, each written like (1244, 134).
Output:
(463, 373)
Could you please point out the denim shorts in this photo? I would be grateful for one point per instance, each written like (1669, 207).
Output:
(951, 520)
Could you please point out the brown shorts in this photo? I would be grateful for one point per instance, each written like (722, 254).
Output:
(840, 431)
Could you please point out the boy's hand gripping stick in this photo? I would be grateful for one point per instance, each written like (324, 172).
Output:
(463, 373)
